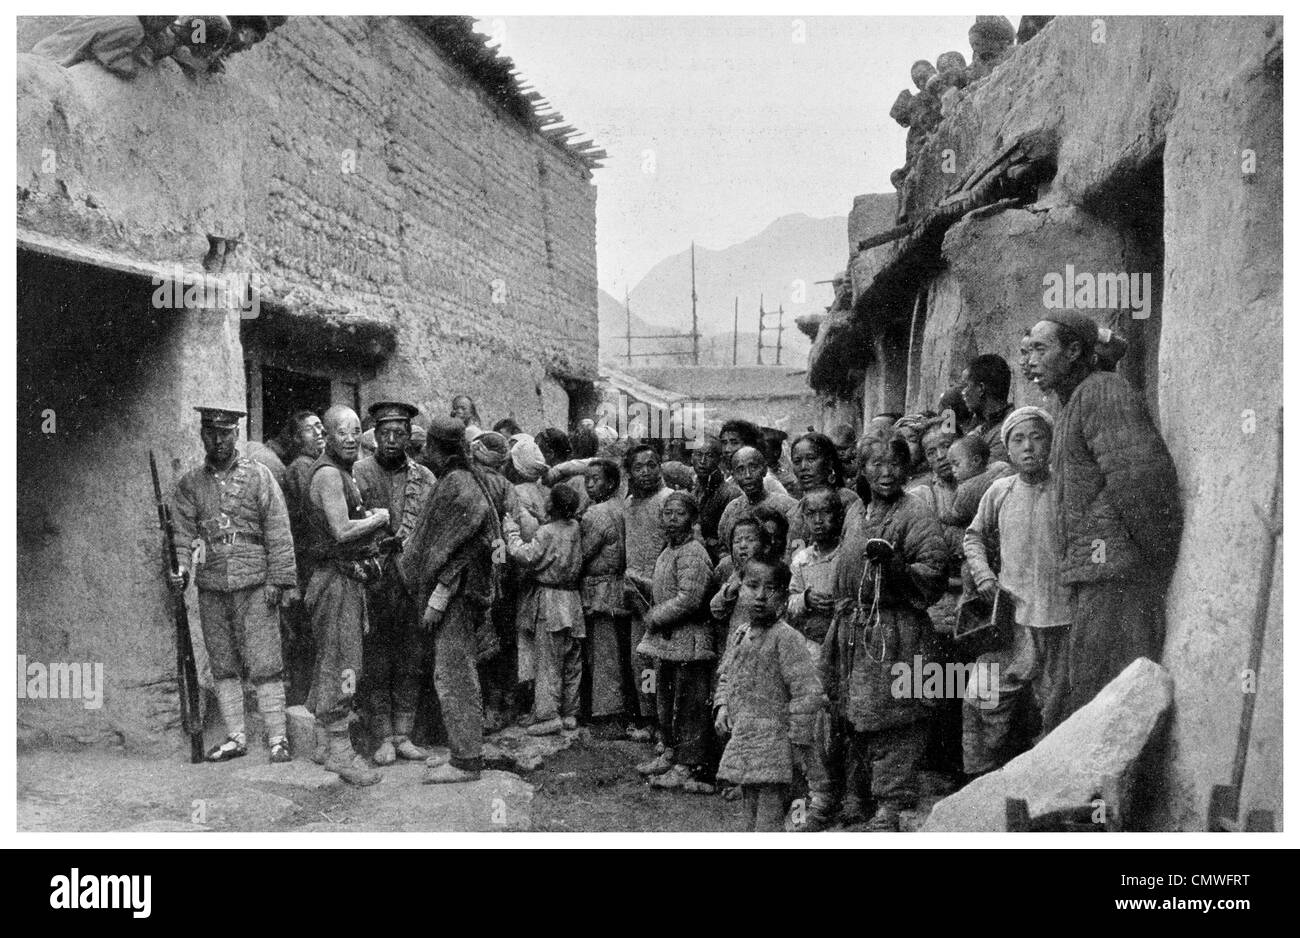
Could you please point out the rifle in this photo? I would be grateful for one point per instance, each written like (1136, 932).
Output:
(187, 678)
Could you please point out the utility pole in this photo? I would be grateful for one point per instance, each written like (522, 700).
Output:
(779, 312)
(735, 332)
(695, 320)
(780, 328)
(627, 308)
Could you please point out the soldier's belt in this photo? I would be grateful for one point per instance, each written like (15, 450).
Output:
(236, 537)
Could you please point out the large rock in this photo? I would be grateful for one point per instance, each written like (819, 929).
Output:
(1068, 768)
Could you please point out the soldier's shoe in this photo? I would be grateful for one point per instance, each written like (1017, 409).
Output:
(546, 727)
(639, 734)
(354, 770)
(386, 754)
(236, 745)
(570, 723)
(408, 750)
(658, 765)
(885, 819)
(280, 750)
(448, 774)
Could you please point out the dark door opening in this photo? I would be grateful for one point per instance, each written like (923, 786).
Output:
(284, 392)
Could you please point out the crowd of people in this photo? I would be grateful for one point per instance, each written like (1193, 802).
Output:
(755, 618)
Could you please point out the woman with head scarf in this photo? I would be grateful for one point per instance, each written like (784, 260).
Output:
(529, 467)
(817, 465)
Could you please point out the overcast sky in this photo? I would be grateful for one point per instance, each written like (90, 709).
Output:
(716, 126)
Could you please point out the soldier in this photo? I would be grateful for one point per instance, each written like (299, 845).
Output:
(393, 650)
(341, 544)
(230, 513)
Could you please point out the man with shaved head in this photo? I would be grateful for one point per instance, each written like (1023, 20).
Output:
(712, 492)
(748, 471)
(341, 541)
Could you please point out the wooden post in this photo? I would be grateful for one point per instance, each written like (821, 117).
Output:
(735, 332)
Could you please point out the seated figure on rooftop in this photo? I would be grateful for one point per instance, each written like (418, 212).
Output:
(124, 45)
(918, 112)
(991, 39)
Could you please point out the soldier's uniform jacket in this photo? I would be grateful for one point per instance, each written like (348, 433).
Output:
(403, 491)
(240, 518)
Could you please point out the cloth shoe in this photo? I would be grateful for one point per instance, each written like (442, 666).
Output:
(385, 754)
(322, 751)
(408, 750)
(344, 761)
(570, 723)
(640, 734)
(852, 812)
(656, 766)
(697, 786)
(885, 818)
(546, 727)
(494, 721)
(676, 777)
(448, 774)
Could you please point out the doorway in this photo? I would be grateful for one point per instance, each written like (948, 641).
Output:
(284, 392)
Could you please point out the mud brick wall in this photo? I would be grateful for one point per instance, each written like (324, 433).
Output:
(369, 179)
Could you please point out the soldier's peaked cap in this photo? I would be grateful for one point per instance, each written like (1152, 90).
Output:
(219, 417)
(392, 410)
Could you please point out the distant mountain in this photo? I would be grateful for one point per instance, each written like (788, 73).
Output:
(613, 336)
(780, 264)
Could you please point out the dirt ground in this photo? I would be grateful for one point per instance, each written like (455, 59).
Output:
(592, 786)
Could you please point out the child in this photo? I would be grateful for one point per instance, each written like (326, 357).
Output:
(767, 699)
(680, 638)
(549, 619)
(812, 571)
(1018, 514)
(748, 539)
(613, 686)
(974, 473)
(810, 607)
